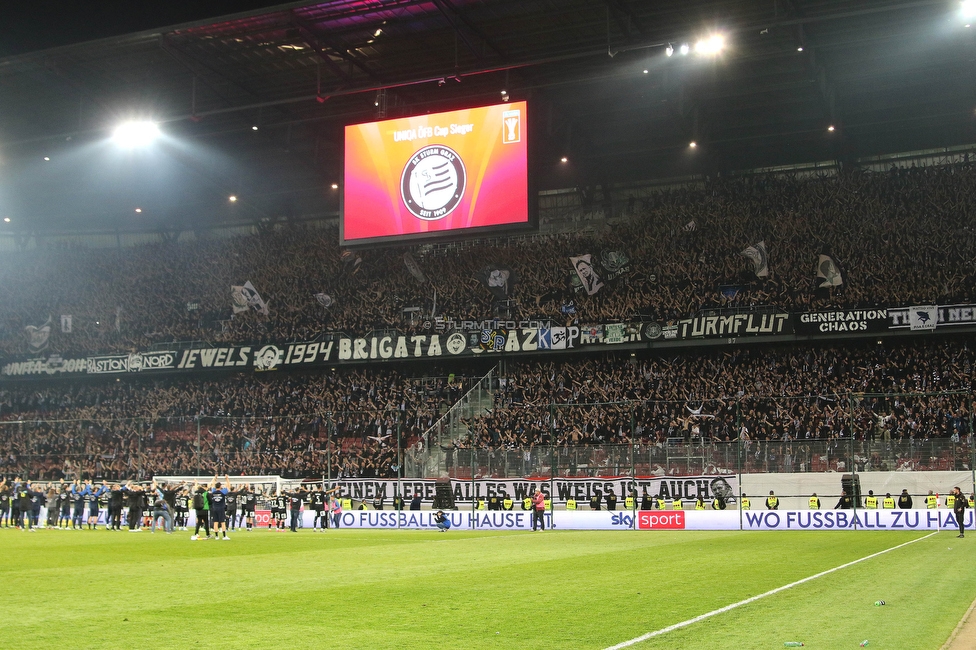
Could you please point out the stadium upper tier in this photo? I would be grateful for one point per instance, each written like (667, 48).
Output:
(896, 238)
(778, 402)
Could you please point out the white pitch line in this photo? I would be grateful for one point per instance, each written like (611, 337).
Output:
(752, 599)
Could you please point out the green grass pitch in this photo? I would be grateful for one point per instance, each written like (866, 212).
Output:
(468, 589)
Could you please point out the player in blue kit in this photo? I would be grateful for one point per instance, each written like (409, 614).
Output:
(218, 507)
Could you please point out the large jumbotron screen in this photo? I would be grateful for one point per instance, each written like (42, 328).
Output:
(436, 175)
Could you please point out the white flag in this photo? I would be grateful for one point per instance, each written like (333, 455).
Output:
(829, 272)
(37, 337)
(587, 274)
(757, 255)
(238, 299)
(245, 297)
(923, 317)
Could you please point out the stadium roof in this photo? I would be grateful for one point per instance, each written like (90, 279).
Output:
(888, 75)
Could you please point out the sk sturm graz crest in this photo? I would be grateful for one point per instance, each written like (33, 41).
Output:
(433, 182)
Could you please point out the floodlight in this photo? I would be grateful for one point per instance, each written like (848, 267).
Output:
(254, 128)
(831, 128)
(684, 49)
(710, 46)
(669, 50)
(968, 9)
(135, 134)
(692, 144)
(138, 210)
(6, 219)
(335, 186)
(232, 198)
(47, 159)
(564, 159)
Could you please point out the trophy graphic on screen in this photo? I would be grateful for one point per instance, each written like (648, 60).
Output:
(512, 131)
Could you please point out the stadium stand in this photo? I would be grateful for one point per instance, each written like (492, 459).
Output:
(780, 405)
(901, 237)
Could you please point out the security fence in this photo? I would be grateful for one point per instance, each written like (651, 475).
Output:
(851, 433)
(484, 437)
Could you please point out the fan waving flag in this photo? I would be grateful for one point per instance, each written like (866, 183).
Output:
(757, 255)
(247, 297)
(587, 274)
(829, 272)
(499, 279)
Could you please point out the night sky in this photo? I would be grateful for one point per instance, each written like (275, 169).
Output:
(31, 25)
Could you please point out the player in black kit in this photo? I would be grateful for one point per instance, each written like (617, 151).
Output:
(248, 500)
(4, 503)
(63, 501)
(317, 500)
(116, 499)
(133, 497)
(181, 507)
(279, 506)
(295, 500)
(232, 498)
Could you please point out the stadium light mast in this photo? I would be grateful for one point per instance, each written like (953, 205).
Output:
(133, 134)
(967, 9)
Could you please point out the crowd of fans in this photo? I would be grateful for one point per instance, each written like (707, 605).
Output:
(901, 237)
(339, 424)
(778, 404)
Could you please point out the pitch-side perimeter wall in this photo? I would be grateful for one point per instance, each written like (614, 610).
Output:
(873, 520)
(794, 490)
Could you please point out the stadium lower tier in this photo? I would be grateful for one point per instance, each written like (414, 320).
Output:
(855, 407)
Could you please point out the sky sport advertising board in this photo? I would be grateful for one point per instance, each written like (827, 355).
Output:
(436, 175)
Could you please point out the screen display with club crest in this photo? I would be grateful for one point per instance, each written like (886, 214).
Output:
(432, 175)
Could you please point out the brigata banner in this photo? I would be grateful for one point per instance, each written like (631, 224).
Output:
(558, 490)
(448, 339)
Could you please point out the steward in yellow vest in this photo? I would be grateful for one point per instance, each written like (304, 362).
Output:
(772, 502)
(718, 503)
(972, 501)
(950, 501)
(548, 504)
(661, 504)
(744, 502)
(629, 503)
(347, 504)
(871, 502)
(482, 505)
(676, 504)
(889, 502)
(931, 501)
(699, 503)
(571, 504)
(508, 504)
(526, 503)
(814, 502)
